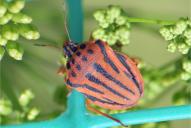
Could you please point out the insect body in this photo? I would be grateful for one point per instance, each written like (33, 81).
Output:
(107, 78)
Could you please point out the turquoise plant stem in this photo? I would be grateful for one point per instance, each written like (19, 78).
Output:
(145, 116)
(78, 119)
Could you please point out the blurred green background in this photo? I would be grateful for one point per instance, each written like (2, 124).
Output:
(37, 70)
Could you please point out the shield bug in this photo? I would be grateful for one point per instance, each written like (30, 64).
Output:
(107, 78)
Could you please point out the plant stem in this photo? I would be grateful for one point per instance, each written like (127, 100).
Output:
(149, 21)
(47, 40)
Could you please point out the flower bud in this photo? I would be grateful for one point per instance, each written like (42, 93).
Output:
(98, 33)
(187, 66)
(188, 42)
(3, 41)
(124, 41)
(189, 22)
(171, 47)
(5, 107)
(2, 51)
(127, 25)
(111, 38)
(185, 76)
(15, 50)
(114, 11)
(179, 27)
(9, 32)
(109, 19)
(183, 48)
(165, 32)
(25, 98)
(123, 35)
(121, 20)
(33, 113)
(3, 9)
(99, 15)
(104, 24)
(104, 38)
(5, 19)
(16, 6)
(29, 32)
(22, 18)
(187, 33)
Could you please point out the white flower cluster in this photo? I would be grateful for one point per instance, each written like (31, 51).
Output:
(186, 73)
(7, 111)
(178, 36)
(14, 23)
(113, 26)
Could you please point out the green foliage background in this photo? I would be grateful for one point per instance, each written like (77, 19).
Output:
(37, 70)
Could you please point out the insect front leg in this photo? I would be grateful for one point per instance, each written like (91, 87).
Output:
(62, 70)
(90, 108)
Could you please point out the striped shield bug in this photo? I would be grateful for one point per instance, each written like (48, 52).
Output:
(107, 78)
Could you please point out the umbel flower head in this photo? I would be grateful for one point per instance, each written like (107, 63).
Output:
(113, 26)
(178, 35)
(13, 24)
(27, 112)
(186, 67)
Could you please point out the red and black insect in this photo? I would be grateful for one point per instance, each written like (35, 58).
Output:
(107, 78)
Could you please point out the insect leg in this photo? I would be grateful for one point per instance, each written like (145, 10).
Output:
(104, 114)
(62, 70)
(135, 60)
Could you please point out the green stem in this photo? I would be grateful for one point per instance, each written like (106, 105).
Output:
(150, 21)
(47, 40)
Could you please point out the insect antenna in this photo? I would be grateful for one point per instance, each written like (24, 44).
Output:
(104, 114)
(66, 23)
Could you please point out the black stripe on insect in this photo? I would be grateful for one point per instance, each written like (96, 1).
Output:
(83, 86)
(95, 80)
(101, 70)
(101, 101)
(113, 102)
(106, 58)
(123, 61)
